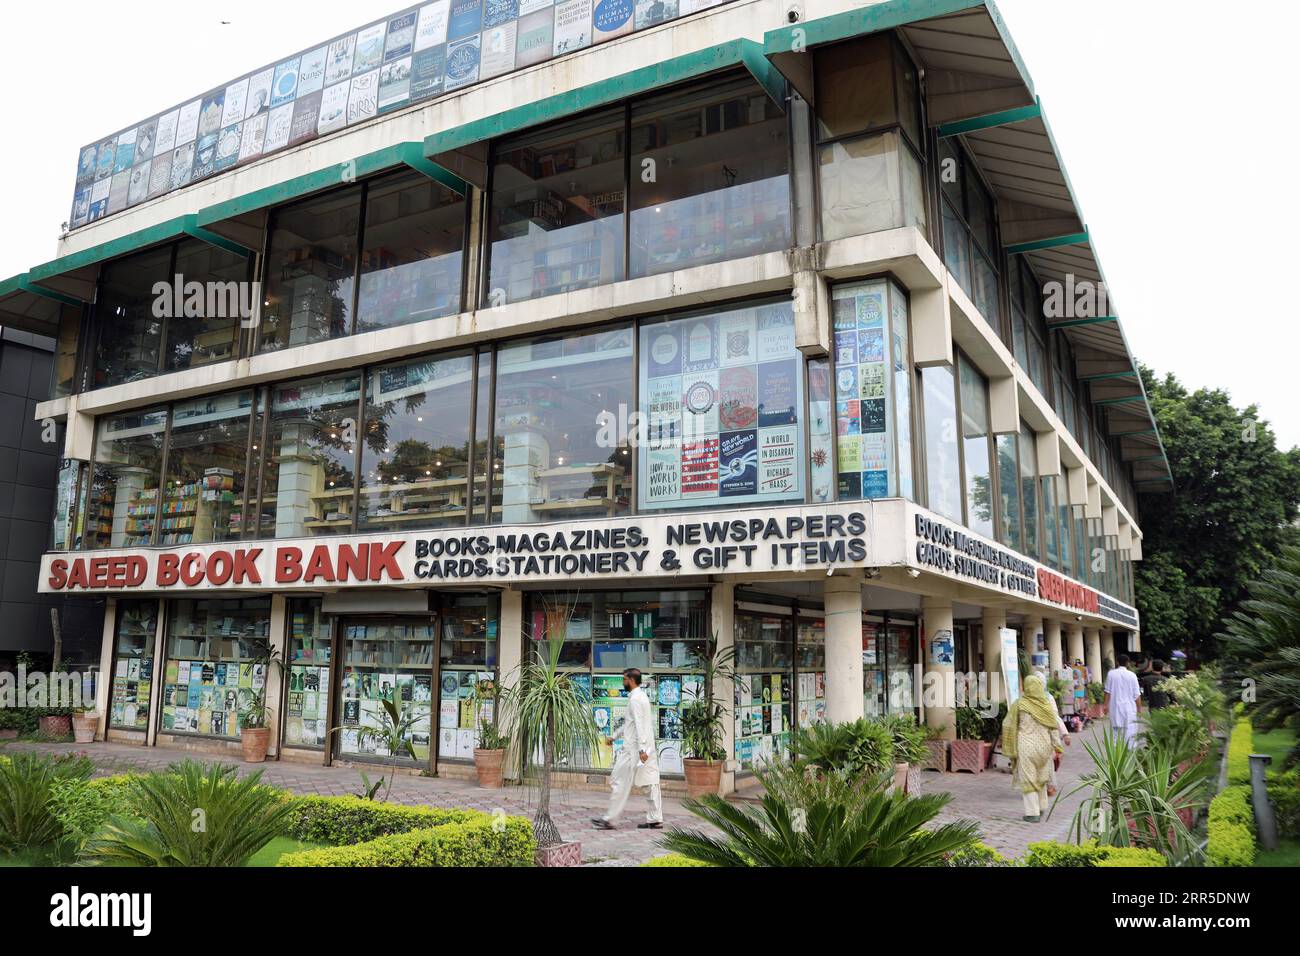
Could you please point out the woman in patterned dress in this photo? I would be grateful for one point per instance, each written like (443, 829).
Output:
(1031, 738)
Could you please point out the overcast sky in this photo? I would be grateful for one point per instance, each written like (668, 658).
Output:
(1171, 116)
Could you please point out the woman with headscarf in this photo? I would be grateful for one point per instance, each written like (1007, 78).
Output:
(1030, 738)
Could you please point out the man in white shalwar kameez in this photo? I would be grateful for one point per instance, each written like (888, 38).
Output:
(637, 763)
(1122, 694)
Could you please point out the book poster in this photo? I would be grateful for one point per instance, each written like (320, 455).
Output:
(700, 345)
(145, 138)
(333, 111)
(138, 189)
(228, 141)
(236, 101)
(651, 12)
(462, 63)
(778, 393)
(738, 398)
(254, 137)
(499, 12)
(532, 6)
(498, 50)
(610, 19)
(700, 404)
(738, 335)
(363, 99)
(664, 411)
(431, 27)
(338, 60)
(862, 403)
(258, 100)
(306, 114)
(311, 72)
(665, 357)
(277, 128)
(187, 123)
(160, 176)
(125, 153)
(572, 26)
(663, 479)
(400, 41)
(427, 68)
(738, 469)
(369, 54)
(466, 19)
(394, 84)
(700, 468)
(534, 37)
(284, 85)
(777, 471)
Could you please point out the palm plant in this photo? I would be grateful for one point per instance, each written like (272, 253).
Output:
(393, 733)
(826, 819)
(192, 815)
(703, 719)
(858, 747)
(28, 784)
(909, 738)
(254, 712)
(1264, 636)
(548, 717)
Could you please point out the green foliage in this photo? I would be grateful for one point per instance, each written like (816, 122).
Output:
(254, 712)
(970, 724)
(340, 821)
(674, 859)
(1240, 746)
(822, 819)
(1096, 693)
(1286, 809)
(861, 746)
(28, 783)
(1132, 856)
(977, 854)
(1198, 692)
(490, 736)
(909, 738)
(1049, 853)
(193, 815)
(25, 720)
(704, 720)
(1178, 732)
(484, 841)
(1233, 805)
(1231, 829)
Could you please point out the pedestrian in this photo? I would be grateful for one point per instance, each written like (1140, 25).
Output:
(637, 763)
(1031, 739)
(1156, 698)
(1121, 702)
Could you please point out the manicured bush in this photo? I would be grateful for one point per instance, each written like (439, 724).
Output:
(1233, 805)
(1048, 853)
(675, 859)
(1240, 746)
(1286, 803)
(1231, 828)
(977, 854)
(480, 842)
(343, 821)
(1132, 856)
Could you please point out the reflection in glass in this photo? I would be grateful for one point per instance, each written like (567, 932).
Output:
(307, 716)
(202, 334)
(130, 334)
(133, 662)
(1029, 488)
(124, 490)
(821, 429)
(975, 449)
(764, 688)
(203, 496)
(943, 469)
(1009, 490)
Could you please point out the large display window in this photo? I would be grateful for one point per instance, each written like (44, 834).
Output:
(307, 676)
(663, 633)
(129, 333)
(722, 397)
(810, 651)
(207, 460)
(133, 664)
(468, 646)
(123, 506)
(942, 450)
(976, 443)
(216, 659)
(196, 337)
(386, 659)
(764, 686)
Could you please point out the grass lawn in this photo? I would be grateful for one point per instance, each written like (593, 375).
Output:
(39, 856)
(1277, 744)
(270, 854)
(1286, 854)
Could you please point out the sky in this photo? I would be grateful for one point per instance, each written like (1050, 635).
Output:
(1172, 117)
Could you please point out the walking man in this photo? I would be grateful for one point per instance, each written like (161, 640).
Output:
(1156, 698)
(1121, 702)
(637, 764)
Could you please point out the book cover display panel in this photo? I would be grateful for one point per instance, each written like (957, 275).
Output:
(463, 42)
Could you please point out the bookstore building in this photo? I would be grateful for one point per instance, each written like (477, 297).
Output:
(636, 325)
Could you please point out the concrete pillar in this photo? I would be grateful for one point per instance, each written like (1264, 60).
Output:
(1052, 634)
(279, 641)
(1033, 626)
(843, 601)
(994, 620)
(937, 614)
(1135, 640)
(722, 611)
(1092, 643)
(1074, 643)
(159, 676)
(107, 662)
(511, 640)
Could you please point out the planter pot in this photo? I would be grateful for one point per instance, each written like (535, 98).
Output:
(913, 780)
(84, 727)
(489, 764)
(900, 777)
(986, 753)
(703, 777)
(967, 755)
(8, 734)
(562, 854)
(938, 755)
(56, 726)
(254, 741)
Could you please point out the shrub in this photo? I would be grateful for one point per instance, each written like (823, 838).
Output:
(27, 785)
(1233, 805)
(480, 842)
(1132, 856)
(1240, 746)
(1286, 801)
(977, 854)
(857, 747)
(343, 821)
(1090, 854)
(1231, 828)
(675, 859)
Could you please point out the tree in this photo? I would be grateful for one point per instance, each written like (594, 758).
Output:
(1234, 499)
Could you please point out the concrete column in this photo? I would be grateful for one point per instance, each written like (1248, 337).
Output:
(994, 620)
(279, 641)
(722, 612)
(1052, 634)
(843, 600)
(937, 614)
(511, 640)
(107, 660)
(1074, 643)
(1033, 626)
(159, 676)
(1135, 641)
(1092, 643)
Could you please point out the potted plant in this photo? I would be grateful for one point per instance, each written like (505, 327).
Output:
(936, 749)
(547, 719)
(967, 751)
(85, 723)
(910, 751)
(255, 717)
(490, 754)
(703, 752)
(1096, 694)
(55, 723)
(989, 737)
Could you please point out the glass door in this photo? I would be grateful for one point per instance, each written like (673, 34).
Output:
(137, 623)
(390, 658)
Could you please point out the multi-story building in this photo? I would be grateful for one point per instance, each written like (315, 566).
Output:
(765, 320)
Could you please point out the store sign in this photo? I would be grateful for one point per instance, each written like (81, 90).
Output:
(957, 553)
(421, 53)
(793, 539)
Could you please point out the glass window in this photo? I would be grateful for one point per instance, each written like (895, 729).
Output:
(388, 659)
(1066, 524)
(468, 654)
(980, 215)
(710, 178)
(1029, 488)
(557, 210)
(943, 469)
(200, 333)
(203, 496)
(985, 292)
(1051, 543)
(311, 270)
(870, 184)
(821, 430)
(559, 451)
(811, 681)
(307, 485)
(307, 715)
(487, 467)
(415, 457)
(216, 652)
(975, 448)
(902, 418)
(855, 86)
(764, 687)
(137, 623)
(411, 257)
(908, 81)
(956, 246)
(66, 377)
(901, 658)
(662, 633)
(874, 690)
(124, 494)
(130, 334)
(69, 504)
(1009, 491)
(722, 394)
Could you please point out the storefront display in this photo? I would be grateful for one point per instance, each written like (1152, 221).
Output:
(123, 506)
(764, 687)
(137, 623)
(387, 659)
(306, 711)
(216, 660)
(467, 654)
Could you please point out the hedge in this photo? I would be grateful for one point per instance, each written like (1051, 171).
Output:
(1231, 828)
(1286, 803)
(674, 859)
(976, 854)
(344, 821)
(487, 841)
(1133, 856)
(1090, 854)
(1240, 746)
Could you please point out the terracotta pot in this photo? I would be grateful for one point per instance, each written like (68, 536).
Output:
(562, 854)
(967, 755)
(8, 734)
(56, 726)
(489, 764)
(703, 777)
(938, 755)
(900, 777)
(255, 741)
(84, 727)
(986, 753)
